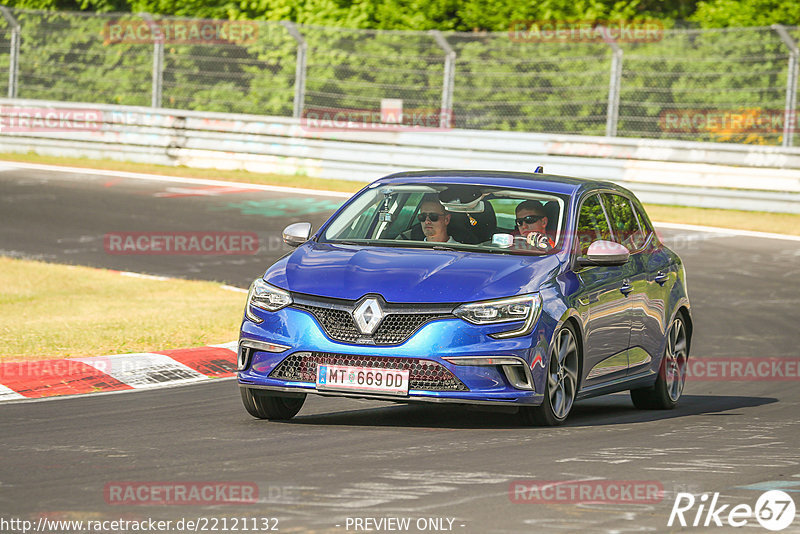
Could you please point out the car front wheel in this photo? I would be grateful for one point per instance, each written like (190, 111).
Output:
(266, 405)
(562, 382)
(664, 394)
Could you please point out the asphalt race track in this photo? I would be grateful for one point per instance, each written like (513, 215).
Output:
(444, 467)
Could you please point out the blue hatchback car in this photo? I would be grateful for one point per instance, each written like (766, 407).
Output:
(471, 287)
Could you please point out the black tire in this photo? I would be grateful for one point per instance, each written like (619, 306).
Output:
(562, 377)
(267, 405)
(666, 392)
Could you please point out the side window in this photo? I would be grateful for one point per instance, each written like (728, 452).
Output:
(624, 222)
(592, 224)
(644, 224)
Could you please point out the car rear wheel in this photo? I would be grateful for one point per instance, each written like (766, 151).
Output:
(266, 405)
(667, 390)
(562, 382)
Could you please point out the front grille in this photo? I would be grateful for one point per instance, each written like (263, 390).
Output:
(338, 324)
(423, 374)
(395, 328)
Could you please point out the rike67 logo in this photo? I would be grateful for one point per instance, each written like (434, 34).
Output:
(774, 510)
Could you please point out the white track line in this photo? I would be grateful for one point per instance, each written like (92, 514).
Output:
(726, 231)
(146, 276)
(301, 191)
(176, 179)
(231, 288)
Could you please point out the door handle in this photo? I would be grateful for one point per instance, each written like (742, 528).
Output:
(661, 277)
(626, 288)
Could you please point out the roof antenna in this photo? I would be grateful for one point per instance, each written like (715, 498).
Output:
(539, 170)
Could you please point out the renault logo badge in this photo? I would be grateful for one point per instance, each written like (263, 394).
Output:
(368, 315)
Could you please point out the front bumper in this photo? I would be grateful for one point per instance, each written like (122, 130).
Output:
(445, 338)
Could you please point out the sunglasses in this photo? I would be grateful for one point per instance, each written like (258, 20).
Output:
(434, 217)
(529, 219)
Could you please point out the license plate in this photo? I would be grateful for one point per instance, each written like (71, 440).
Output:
(367, 379)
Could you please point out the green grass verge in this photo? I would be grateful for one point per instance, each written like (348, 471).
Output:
(57, 311)
(759, 221)
(781, 223)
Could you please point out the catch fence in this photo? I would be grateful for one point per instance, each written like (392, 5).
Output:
(734, 85)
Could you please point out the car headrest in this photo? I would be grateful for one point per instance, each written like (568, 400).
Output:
(464, 231)
(551, 210)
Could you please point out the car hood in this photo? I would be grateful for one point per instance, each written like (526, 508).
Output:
(408, 275)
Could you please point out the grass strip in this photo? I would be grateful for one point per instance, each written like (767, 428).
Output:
(58, 311)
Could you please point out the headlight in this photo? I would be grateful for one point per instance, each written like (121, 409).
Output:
(524, 308)
(267, 297)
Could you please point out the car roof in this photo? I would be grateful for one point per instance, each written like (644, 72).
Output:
(550, 183)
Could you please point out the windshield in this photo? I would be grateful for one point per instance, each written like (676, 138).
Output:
(455, 216)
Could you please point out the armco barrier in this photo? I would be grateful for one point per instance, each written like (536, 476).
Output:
(661, 172)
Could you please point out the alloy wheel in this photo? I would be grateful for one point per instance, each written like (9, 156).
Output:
(675, 360)
(563, 373)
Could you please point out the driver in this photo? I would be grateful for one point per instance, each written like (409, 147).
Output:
(434, 220)
(531, 222)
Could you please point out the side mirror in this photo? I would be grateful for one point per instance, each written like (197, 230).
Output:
(606, 253)
(296, 234)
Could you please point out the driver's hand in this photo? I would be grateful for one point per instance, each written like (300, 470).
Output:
(538, 241)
